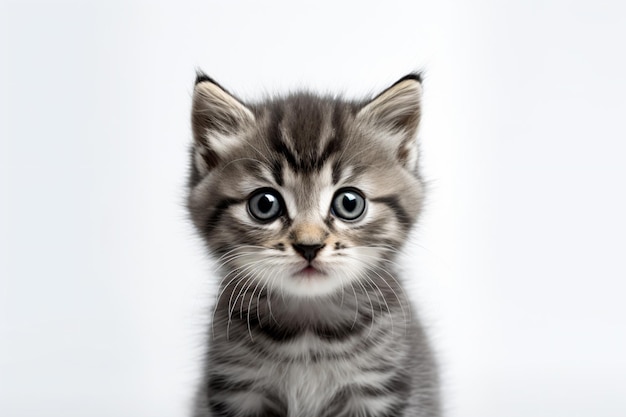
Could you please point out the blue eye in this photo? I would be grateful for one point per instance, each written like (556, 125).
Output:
(348, 204)
(265, 205)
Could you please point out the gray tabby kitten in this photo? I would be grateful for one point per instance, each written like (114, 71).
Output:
(305, 202)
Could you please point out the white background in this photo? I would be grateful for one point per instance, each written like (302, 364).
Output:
(518, 264)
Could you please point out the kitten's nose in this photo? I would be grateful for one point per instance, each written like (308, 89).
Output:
(308, 252)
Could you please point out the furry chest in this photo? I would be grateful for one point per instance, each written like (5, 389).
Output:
(307, 388)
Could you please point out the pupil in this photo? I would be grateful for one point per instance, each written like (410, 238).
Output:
(349, 202)
(265, 203)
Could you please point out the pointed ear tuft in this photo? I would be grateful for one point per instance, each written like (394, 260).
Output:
(218, 119)
(398, 107)
(395, 115)
(201, 76)
(415, 76)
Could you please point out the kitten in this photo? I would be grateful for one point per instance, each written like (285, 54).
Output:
(305, 201)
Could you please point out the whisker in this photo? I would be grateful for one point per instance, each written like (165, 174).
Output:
(234, 256)
(230, 300)
(252, 299)
(358, 280)
(371, 268)
(258, 300)
(249, 278)
(269, 298)
(356, 306)
(370, 280)
(237, 273)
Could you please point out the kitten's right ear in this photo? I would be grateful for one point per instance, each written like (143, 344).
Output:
(218, 122)
(395, 113)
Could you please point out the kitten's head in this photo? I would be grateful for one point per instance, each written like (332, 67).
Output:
(305, 194)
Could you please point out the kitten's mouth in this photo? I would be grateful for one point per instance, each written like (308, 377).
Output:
(310, 272)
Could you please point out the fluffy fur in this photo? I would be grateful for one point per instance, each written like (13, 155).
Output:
(311, 319)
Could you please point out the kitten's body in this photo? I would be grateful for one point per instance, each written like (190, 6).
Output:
(311, 320)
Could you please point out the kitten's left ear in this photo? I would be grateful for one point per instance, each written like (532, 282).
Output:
(395, 113)
(218, 120)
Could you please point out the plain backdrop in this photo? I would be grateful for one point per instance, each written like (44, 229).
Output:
(518, 265)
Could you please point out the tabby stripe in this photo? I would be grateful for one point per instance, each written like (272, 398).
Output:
(284, 333)
(338, 406)
(331, 147)
(311, 162)
(217, 214)
(274, 330)
(277, 172)
(396, 410)
(341, 333)
(336, 172)
(337, 124)
(221, 383)
(338, 135)
(281, 148)
(277, 139)
(194, 176)
(399, 384)
(394, 204)
(221, 409)
(272, 408)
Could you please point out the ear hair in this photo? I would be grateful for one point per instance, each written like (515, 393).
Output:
(395, 114)
(218, 121)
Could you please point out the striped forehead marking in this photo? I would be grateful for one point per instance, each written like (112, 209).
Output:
(305, 135)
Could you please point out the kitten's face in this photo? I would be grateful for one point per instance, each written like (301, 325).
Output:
(305, 195)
